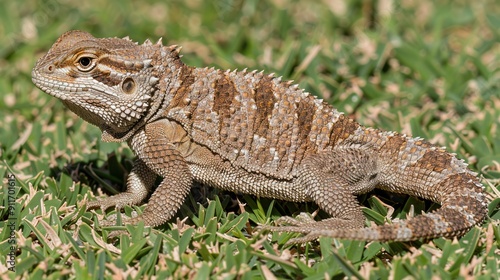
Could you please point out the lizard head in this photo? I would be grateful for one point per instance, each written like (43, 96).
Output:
(110, 83)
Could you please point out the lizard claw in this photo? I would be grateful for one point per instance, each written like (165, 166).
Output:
(303, 223)
(308, 234)
(104, 204)
(303, 219)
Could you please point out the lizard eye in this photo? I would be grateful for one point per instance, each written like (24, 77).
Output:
(85, 63)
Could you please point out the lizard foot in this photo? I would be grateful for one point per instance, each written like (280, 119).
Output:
(306, 225)
(111, 220)
(118, 201)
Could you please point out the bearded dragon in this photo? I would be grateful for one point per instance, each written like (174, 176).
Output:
(249, 132)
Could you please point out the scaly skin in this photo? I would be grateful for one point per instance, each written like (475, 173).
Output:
(250, 133)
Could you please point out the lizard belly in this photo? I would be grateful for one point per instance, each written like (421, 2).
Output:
(212, 170)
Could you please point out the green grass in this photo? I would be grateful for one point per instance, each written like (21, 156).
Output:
(425, 68)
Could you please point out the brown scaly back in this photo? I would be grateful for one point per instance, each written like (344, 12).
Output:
(255, 121)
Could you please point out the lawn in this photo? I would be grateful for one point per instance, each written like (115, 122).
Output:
(424, 68)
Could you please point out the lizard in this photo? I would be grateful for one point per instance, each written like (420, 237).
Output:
(253, 133)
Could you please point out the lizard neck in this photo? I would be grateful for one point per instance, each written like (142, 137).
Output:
(171, 71)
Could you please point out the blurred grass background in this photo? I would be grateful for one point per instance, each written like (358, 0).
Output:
(425, 68)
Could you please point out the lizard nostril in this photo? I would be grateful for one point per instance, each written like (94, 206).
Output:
(50, 68)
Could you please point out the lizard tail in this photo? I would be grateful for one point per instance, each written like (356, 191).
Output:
(429, 172)
(463, 207)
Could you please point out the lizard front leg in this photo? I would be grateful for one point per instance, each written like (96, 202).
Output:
(159, 153)
(156, 156)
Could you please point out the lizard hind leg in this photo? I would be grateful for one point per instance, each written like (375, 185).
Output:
(331, 180)
(462, 199)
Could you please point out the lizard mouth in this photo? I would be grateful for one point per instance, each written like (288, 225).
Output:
(61, 89)
(48, 87)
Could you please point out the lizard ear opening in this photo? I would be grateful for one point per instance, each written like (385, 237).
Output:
(128, 85)
(50, 68)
